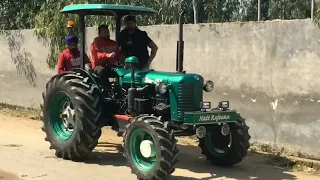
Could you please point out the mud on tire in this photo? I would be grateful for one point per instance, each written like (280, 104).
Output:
(238, 148)
(165, 144)
(86, 100)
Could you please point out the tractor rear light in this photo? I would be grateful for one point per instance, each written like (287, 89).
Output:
(205, 105)
(224, 104)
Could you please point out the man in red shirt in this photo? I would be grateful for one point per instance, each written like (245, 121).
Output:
(104, 52)
(70, 57)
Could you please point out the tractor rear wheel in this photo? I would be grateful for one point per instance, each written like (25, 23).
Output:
(71, 115)
(150, 148)
(227, 149)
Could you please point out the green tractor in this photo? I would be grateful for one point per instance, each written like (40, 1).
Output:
(151, 108)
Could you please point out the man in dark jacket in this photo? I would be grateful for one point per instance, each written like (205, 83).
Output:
(135, 42)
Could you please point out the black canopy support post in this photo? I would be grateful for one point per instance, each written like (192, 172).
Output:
(118, 25)
(82, 34)
(180, 45)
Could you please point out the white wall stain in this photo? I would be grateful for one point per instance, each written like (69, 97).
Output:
(318, 101)
(243, 96)
(274, 104)
(226, 94)
(253, 100)
(310, 100)
(282, 99)
(296, 103)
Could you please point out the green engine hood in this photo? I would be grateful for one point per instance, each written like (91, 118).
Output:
(185, 90)
(154, 77)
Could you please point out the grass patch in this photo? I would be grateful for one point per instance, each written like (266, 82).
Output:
(19, 111)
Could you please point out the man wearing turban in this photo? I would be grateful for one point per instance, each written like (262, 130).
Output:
(70, 57)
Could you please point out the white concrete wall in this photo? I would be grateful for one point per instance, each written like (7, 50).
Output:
(268, 71)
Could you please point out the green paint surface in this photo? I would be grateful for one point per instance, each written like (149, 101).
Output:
(132, 59)
(106, 9)
(144, 164)
(57, 102)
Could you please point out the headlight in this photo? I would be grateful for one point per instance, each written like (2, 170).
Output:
(208, 86)
(224, 104)
(205, 105)
(161, 88)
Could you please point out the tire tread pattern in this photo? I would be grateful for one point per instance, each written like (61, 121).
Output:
(239, 147)
(88, 115)
(167, 145)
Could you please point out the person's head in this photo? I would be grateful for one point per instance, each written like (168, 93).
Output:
(72, 42)
(130, 22)
(103, 31)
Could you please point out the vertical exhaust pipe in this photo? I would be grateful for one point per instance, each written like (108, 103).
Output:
(180, 46)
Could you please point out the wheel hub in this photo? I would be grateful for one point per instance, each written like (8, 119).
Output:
(67, 117)
(147, 149)
(201, 131)
(225, 129)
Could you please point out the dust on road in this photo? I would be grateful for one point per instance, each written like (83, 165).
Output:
(24, 152)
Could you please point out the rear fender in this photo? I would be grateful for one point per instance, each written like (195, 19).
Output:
(92, 79)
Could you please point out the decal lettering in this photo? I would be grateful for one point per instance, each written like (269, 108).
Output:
(156, 81)
(148, 80)
(214, 117)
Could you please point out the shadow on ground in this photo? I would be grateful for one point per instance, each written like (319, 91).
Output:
(194, 166)
(254, 166)
(107, 153)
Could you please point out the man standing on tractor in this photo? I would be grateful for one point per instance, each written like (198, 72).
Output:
(134, 42)
(70, 57)
(104, 52)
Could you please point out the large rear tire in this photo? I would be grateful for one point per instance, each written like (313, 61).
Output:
(156, 162)
(71, 115)
(226, 150)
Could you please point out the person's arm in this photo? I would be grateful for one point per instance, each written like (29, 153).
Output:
(87, 61)
(61, 67)
(119, 56)
(152, 46)
(154, 50)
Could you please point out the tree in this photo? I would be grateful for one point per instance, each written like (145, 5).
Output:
(18, 14)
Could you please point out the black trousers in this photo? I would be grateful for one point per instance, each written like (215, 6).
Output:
(104, 74)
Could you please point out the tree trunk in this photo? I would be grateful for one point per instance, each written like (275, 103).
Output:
(195, 11)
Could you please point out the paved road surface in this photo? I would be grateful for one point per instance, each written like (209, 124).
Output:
(24, 153)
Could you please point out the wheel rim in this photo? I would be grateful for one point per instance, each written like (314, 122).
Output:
(61, 115)
(217, 144)
(138, 137)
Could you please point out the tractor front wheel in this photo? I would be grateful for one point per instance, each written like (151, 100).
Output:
(226, 145)
(150, 148)
(71, 115)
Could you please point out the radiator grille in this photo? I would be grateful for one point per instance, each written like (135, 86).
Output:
(186, 98)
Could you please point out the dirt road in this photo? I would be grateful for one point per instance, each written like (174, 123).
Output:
(23, 152)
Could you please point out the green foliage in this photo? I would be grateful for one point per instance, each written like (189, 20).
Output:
(51, 25)
(18, 14)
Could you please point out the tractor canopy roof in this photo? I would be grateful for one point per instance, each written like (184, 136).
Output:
(106, 9)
